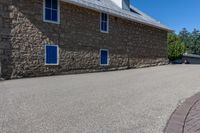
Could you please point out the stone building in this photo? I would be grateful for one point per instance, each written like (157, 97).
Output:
(47, 37)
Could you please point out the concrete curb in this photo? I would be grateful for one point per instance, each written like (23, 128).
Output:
(177, 120)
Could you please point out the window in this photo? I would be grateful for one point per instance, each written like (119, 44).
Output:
(51, 55)
(104, 57)
(104, 22)
(51, 11)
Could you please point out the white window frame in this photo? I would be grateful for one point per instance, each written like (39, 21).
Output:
(58, 55)
(107, 23)
(44, 13)
(108, 58)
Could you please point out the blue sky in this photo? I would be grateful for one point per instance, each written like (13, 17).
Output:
(176, 14)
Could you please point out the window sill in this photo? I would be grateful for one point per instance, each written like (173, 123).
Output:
(52, 22)
(106, 32)
(51, 64)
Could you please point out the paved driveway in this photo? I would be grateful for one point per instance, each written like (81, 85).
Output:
(130, 101)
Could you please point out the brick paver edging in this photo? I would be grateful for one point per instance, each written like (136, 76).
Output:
(177, 120)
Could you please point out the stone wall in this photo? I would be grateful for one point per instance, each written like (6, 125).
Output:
(5, 29)
(80, 40)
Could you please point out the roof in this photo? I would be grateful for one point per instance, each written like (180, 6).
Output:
(191, 55)
(111, 8)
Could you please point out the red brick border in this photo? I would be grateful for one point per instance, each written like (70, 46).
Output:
(176, 122)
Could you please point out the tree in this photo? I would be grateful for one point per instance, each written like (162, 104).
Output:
(195, 42)
(185, 36)
(176, 47)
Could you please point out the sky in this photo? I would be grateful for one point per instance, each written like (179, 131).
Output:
(176, 14)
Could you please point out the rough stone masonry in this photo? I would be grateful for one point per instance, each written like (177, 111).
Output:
(23, 36)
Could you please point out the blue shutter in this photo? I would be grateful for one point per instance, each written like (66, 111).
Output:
(51, 55)
(104, 57)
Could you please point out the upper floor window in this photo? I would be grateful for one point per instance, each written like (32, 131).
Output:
(51, 11)
(104, 22)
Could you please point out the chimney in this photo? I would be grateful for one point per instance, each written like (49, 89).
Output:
(123, 4)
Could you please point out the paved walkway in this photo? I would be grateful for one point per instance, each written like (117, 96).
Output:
(131, 101)
(192, 123)
(186, 118)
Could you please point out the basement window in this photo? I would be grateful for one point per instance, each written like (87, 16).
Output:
(51, 54)
(104, 22)
(51, 11)
(104, 57)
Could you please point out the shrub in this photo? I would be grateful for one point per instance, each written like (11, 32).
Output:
(176, 48)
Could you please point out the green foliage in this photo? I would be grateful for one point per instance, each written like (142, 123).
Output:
(185, 41)
(192, 40)
(195, 42)
(185, 36)
(176, 47)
